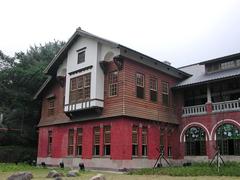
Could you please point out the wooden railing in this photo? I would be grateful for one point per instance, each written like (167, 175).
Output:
(226, 106)
(194, 110)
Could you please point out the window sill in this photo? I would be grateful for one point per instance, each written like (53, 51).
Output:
(96, 156)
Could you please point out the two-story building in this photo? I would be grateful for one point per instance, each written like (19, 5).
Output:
(108, 106)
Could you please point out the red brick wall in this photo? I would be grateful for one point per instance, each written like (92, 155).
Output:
(121, 138)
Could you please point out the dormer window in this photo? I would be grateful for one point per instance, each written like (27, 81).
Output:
(220, 66)
(81, 57)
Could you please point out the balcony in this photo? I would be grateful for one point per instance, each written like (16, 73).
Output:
(83, 105)
(225, 106)
(194, 110)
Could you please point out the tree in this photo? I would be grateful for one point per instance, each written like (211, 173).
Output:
(20, 78)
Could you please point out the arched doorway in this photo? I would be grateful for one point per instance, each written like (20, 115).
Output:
(195, 142)
(228, 139)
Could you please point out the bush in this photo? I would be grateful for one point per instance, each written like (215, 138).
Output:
(17, 154)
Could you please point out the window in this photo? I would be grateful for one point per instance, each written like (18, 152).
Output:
(70, 141)
(165, 94)
(80, 88)
(135, 141)
(140, 85)
(113, 83)
(227, 65)
(228, 139)
(79, 142)
(81, 57)
(51, 107)
(49, 149)
(96, 141)
(169, 151)
(153, 90)
(107, 140)
(195, 144)
(144, 141)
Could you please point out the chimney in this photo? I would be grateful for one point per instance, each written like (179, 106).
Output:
(167, 63)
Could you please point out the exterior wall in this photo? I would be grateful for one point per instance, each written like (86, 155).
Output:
(58, 91)
(121, 143)
(209, 123)
(144, 108)
(94, 53)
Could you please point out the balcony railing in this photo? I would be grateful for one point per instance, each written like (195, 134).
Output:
(194, 110)
(226, 106)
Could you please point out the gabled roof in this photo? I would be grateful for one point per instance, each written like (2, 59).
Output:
(141, 58)
(63, 51)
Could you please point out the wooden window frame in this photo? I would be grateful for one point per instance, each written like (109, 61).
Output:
(140, 85)
(144, 141)
(107, 140)
(81, 56)
(113, 83)
(50, 138)
(135, 143)
(80, 88)
(70, 150)
(153, 89)
(96, 143)
(165, 93)
(79, 142)
(51, 107)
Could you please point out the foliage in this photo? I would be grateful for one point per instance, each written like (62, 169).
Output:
(199, 169)
(20, 78)
(17, 154)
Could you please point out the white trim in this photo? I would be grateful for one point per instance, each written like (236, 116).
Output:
(191, 124)
(231, 121)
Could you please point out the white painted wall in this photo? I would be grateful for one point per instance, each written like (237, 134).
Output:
(94, 53)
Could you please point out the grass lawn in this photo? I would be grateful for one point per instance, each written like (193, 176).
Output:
(40, 173)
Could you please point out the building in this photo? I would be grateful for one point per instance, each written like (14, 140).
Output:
(108, 106)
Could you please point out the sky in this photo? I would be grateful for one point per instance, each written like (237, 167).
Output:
(179, 31)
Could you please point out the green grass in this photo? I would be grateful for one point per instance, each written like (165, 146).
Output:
(203, 169)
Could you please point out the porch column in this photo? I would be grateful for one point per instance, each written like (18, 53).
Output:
(209, 99)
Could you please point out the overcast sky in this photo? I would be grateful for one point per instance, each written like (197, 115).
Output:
(181, 31)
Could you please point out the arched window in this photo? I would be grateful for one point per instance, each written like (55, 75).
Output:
(195, 142)
(228, 139)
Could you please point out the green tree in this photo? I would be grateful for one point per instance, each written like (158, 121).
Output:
(20, 78)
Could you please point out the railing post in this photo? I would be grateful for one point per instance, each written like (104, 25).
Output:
(208, 106)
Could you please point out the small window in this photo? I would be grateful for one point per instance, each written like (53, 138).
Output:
(81, 57)
(144, 141)
(107, 140)
(135, 141)
(113, 83)
(79, 142)
(227, 65)
(49, 149)
(165, 94)
(96, 141)
(70, 142)
(153, 90)
(140, 85)
(169, 151)
(51, 107)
